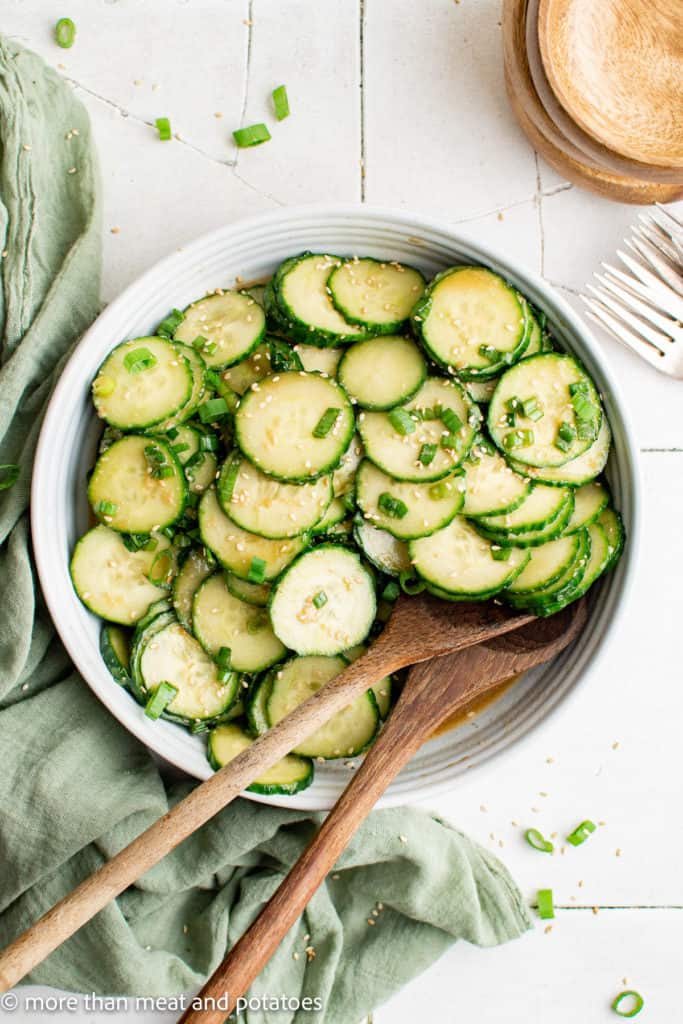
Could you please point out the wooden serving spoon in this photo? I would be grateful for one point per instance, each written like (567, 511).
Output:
(420, 628)
(433, 692)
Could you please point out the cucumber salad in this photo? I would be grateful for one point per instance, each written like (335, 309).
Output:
(279, 463)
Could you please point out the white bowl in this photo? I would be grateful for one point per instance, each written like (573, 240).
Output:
(250, 249)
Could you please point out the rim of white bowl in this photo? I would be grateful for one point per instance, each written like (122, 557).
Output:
(239, 249)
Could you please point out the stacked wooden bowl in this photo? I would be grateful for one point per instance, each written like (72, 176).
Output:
(597, 87)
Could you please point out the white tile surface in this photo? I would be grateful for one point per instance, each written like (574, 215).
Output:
(432, 123)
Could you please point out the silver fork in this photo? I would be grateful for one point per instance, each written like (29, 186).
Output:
(642, 306)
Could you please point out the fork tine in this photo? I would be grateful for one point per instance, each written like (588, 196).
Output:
(665, 296)
(657, 338)
(653, 232)
(672, 216)
(643, 309)
(623, 335)
(649, 253)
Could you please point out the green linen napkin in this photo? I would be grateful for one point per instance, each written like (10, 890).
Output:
(75, 787)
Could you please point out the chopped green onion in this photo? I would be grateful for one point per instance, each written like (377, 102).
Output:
(138, 541)
(65, 33)
(254, 135)
(156, 461)
(9, 474)
(500, 553)
(107, 508)
(199, 727)
(226, 676)
(411, 584)
(546, 910)
(532, 409)
(635, 1000)
(164, 128)
(391, 591)
(165, 472)
(208, 443)
(281, 102)
(223, 658)
(214, 409)
(566, 435)
(257, 570)
(426, 414)
(518, 439)
(488, 352)
(326, 422)
(451, 421)
(161, 569)
(104, 386)
(450, 441)
(440, 490)
(402, 422)
(226, 484)
(320, 599)
(170, 324)
(391, 506)
(168, 532)
(182, 540)
(283, 357)
(513, 404)
(579, 387)
(581, 833)
(160, 699)
(537, 841)
(138, 360)
(349, 501)
(427, 454)
(180, 448)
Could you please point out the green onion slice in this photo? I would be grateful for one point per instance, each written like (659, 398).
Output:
(320, 599)
(411, 584)
(257, 570)
(451, 420)
(634, 1000)
(427, 454)
(281, 102)
(254, 135)
(326, 422)
(537, 841)
(214, 409)
(160, 699)
(581, 833)
(106, 508)
(170, 324)
(391, 591)
(139, 359)
(499, 553)
(161, 569)
(283, 357)
(402, 422)
(224, 657)
(391, 506)
(546, 910)
(9, 474)
(164, 128)
(65, 33)
(440, 490)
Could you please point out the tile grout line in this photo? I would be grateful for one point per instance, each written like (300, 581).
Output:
(539, 205)
(247, 67)
(361, 52)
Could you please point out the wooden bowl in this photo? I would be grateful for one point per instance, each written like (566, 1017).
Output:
(616, 66)
(566, 158)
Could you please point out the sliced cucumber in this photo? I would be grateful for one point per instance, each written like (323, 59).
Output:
(546, 565)
(385, 552)
(459, 561)
(300, 301)
(375, 295)
(253, 593)
(221, 620)
(404, 455)
(267, 507)
(198, 371)
(346, 734)
(407, 510)
(238, 550)
(559, 593)
(111, 580)
(541, 507)
(580, 470)
(172, 655)
(535, 333)
(192, 572)
(288, 776)
(532, 538)
(344, 476)
(380, 373)
(230, 326)
(319, 360)
(335, 514)
(472, 321)
(286, 425)
(254, 368)
(115, 651)
(491, 487)
(324, 602)
(256, 705)
(481, 390)
(589, 501)
(382, 689)
(142, 382)
(613, 526)
(200, 471)
(591, 565)
(138, 485)
(547, 379)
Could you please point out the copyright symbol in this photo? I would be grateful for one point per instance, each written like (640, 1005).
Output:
(9, 1002)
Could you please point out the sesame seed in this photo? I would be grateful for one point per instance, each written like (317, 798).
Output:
(115, 230)
(482, 807)
(72, 170)
(404, 839)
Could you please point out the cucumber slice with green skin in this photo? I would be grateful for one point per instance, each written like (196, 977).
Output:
(535, 344)
(231, 323)
(539, 509)
(612, 524)
(126, 496)
(191, 574)
(197, 370)
(236, 549)
(459, 561)
(347, 733)
(267, 507)
(481, 391)
(335, 514)
(399, 454)
(319, 360)
(382, 550)
(344, 476)
(184, 443)
(547, 378)
(158, 608)
(580, 470)
(145, 630)
(300, 301)
(491, 487)
(288, 776)
(253, 593)
(172, 655)
(592, 564)
(467, 310)
(425, 507)
(254, 368)
(111, 580)
(324, 602)
(256, 705)
(589, 502)
(158, 384)
(221, 620)
(376, 295)
(563, 589)
(200, 471)
(276, 421)
(382, 689)
(115, 651)
(546, 565)
(532, 538)
(382, 372)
